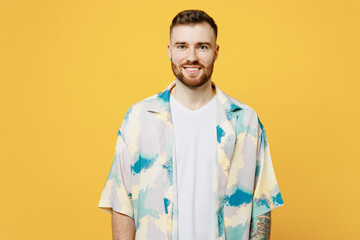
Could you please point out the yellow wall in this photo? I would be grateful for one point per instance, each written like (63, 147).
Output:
(70, 69)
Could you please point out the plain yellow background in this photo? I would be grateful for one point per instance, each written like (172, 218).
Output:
(70, 69)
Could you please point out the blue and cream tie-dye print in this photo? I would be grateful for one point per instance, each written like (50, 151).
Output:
(142, 180)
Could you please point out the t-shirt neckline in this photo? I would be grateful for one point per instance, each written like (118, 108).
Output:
(203, 108)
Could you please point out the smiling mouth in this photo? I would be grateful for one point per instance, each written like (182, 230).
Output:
(192, 69)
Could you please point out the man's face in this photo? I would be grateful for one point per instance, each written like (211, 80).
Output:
(192, 50)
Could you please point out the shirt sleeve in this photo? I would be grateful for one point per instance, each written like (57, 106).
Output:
(117, 191)
(266, 193)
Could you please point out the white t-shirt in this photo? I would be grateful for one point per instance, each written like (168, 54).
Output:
(195, 152)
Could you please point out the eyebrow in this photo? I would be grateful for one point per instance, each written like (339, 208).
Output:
(204, 43)
(179, 43)
(199, 43)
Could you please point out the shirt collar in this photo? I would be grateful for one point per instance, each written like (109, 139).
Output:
(160, 102)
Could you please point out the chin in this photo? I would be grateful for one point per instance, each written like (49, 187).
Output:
(193, 83)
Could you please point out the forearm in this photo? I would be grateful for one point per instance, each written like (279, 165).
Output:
(260, 227)
(123, 227)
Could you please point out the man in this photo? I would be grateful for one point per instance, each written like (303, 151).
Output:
(191, 162)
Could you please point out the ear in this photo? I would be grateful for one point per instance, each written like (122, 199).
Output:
(169, 51)
(216, 51)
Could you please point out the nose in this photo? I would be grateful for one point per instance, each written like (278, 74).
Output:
(192, 55)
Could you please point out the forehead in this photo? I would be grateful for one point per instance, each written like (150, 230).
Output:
(198, 32)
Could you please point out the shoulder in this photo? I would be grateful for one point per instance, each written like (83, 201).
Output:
(246, 110)
(137, 111)
(243, 106)
(247, 117)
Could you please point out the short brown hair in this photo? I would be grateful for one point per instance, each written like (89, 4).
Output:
(193, 16)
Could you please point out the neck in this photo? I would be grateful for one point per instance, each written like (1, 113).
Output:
(193, 98)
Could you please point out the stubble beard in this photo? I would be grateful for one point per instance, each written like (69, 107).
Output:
(193, 82)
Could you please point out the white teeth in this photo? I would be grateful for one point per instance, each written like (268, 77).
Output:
(192, 69)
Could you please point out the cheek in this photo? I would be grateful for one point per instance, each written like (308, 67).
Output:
(207, 58)
(180, 58)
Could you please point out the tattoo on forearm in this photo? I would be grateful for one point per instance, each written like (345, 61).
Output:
(260, 227)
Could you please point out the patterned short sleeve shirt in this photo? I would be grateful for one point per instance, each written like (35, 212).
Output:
(142, 180)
